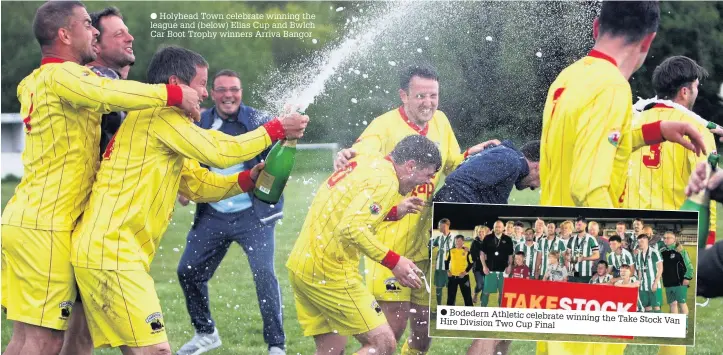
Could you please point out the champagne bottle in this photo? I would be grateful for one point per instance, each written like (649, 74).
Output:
(700, 202)
(272, 179)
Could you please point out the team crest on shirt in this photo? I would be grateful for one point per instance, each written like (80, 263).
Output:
(390, 285)
(376, 307)
(155, 320)
(614, 138)
(65, 308)
(375, 208)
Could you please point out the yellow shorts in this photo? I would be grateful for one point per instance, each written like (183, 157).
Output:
(346, 308)
(381, 283)
(122, 307)
(38, 285)
(566, 348)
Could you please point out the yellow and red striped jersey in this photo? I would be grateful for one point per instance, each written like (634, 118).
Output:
(587, 135)
(343, 221)
(62, 103)
(409, 236)
(659, 173)
(153, 155)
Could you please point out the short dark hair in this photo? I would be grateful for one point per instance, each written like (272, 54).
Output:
(643, 236)
(95, 17)
(459, 236)
(420, 70)
(639, 220)
(519, 224)
(50, 17)
(632, 20)
(615, 238)
(520, 253)
(674, 73)
(444, 221)
(174, 60)
(418, 148)
(530, 230)
(603, 262)
(531, 151)
(227, 72)
(621, 223)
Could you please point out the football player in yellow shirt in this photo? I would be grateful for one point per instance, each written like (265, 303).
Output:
(341, 225)
(154, 155)
(406, 229)
(659, 173)
(587, 136)
(62, 102)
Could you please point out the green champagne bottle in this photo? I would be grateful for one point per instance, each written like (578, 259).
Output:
(272, 179)
(700, 202)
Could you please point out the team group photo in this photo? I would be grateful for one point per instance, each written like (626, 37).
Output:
(325, 177)
(655, 255)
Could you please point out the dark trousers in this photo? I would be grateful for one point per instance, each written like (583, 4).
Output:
(463, 283)
(207, 244)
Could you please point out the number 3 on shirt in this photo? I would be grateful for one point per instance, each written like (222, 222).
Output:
(340, 175)
(652, 160)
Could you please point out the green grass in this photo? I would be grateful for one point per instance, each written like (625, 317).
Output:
(233, 297)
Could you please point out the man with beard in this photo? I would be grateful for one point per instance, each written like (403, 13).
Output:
(114, 56)
(583, 252)
(38, 284)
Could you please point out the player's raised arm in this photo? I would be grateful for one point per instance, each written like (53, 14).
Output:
(202, 185)
(176, 65)
(79, 87)
(211, 147)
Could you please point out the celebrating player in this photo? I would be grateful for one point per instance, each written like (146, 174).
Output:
(490, 176)
(407, 229)
(582, 252)
(62, 102)
(544, 247)
(343, 223)
(459, 263)
(662, 170)
(649, 266)
(587, 136)
(618, 257)
(528, 248)
(153, 155)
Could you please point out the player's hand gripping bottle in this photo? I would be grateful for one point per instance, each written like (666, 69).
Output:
(279, 163)
(700, 202)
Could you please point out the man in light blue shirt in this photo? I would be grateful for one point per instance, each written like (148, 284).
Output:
(242, 219)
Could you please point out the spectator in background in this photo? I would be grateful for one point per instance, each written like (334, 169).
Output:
(242, 219)
(459, 263)
(475, 250)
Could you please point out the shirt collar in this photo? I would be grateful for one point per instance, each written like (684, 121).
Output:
(49, 60)
(597, 54)
(412, 124)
